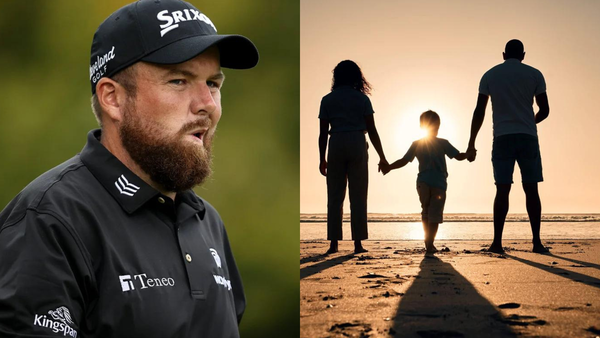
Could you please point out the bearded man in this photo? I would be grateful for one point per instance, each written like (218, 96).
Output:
(113, 242)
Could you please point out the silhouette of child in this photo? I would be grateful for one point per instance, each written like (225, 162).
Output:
(431, 181)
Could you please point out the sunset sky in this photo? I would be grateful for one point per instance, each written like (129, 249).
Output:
(431, 55)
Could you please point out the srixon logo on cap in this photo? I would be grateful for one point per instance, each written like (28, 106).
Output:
(173, 19)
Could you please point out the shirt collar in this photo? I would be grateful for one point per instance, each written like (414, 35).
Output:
(129, 190)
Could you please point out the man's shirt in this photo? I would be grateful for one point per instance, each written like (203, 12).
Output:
(345, 108)
(88, 249)
(512, 86)
(431, 154)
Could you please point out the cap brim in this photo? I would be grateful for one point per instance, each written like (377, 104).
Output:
(236, 51)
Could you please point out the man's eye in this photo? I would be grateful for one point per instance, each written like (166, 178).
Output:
(177, 81)
(213, 84)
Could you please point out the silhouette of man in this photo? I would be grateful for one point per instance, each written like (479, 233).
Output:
(512, 86)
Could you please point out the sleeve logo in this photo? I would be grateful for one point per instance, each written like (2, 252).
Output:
(61, 321)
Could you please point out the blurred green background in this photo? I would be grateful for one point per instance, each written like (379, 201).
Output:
(45, 115)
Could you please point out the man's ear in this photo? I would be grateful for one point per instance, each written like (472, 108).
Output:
(111, 97)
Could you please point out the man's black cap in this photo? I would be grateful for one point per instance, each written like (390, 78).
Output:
(164, 32)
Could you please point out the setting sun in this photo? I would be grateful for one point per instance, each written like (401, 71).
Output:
(406, 129)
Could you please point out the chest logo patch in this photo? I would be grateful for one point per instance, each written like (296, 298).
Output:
(142, 281)
(126, 188)
(216, 257)
(220, 280)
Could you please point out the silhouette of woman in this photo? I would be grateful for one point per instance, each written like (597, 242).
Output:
(348, 111)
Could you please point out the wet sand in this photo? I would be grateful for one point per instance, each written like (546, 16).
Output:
(395, 290)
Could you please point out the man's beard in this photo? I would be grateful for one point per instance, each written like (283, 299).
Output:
(172, 163)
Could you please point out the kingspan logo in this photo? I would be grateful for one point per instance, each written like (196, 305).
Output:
(173, 19)
(61, 321)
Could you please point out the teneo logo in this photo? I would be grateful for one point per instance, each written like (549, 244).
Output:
(144, 282)
(98, 68)
(216, 257)
(173, 19)
(126, 188)
(126, 283)
(61, 321)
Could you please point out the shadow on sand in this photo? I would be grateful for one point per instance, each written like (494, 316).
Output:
(574, 276)
(585, 264)
(315, 258)
(442, 303)
(316, 268)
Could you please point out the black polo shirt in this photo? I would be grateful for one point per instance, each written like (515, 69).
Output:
(88, 249)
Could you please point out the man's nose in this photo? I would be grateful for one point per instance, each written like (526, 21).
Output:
(204, 101)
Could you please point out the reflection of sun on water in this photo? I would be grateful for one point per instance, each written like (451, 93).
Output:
(416, 231)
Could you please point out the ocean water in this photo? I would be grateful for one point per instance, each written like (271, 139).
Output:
(459, 227)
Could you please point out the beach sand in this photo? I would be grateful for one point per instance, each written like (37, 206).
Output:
(395, 290)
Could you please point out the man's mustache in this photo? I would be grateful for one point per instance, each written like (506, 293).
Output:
(190, 126)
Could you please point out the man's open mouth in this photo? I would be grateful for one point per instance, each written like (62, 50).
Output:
(199, 134)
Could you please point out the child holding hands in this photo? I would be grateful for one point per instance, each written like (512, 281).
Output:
(431, 180)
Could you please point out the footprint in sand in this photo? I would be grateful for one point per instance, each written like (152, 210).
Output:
(564, 308)
(332, 297)
(373, 275)
(351, 329)
(509, 305)
(518, 317)
(517, 320)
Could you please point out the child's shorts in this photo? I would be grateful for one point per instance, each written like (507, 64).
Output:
(432, 203)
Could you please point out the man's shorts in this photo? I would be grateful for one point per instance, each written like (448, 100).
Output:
(432, 203)
(522, 148)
